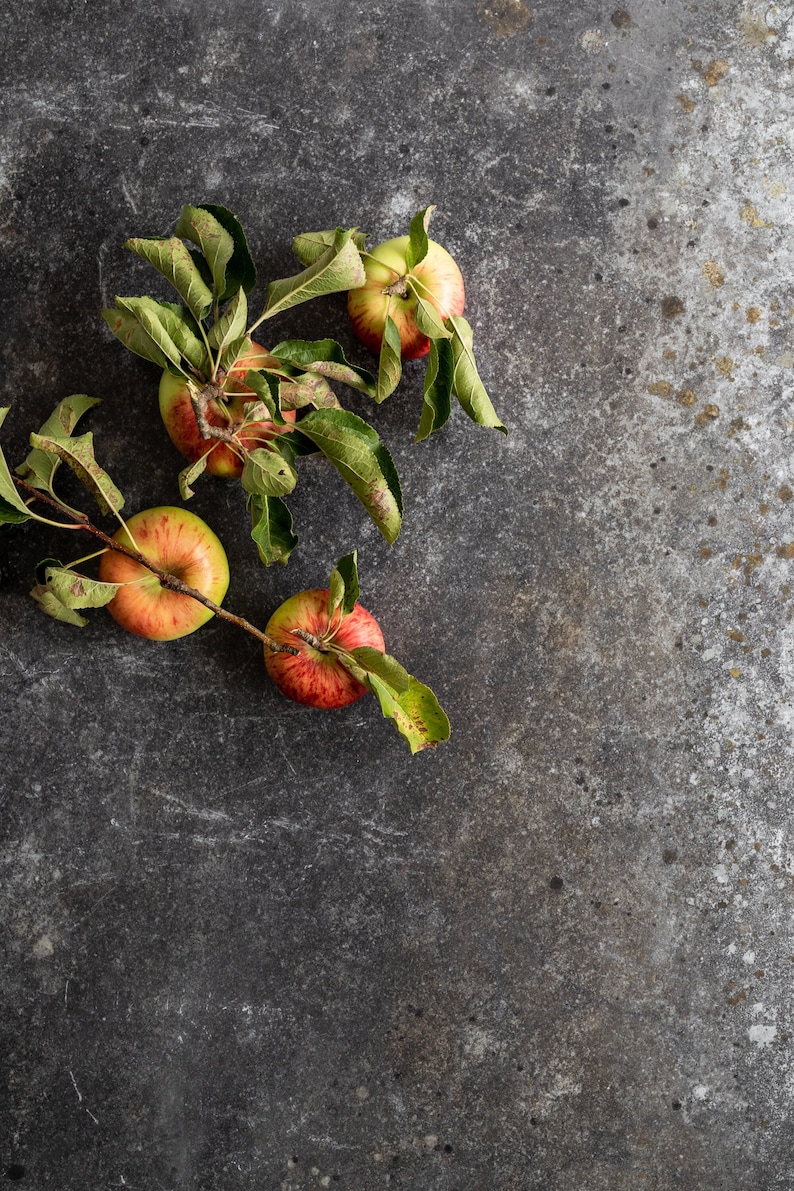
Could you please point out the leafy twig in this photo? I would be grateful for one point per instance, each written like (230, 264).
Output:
(167, 580)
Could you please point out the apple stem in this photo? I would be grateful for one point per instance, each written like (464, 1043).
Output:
(310, 639)
(399, 287)
(166, 579)
(200, 399)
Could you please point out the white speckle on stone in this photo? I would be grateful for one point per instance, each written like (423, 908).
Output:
(592, 41)
(700, 1092)
(786, 360)
(762, 1035)
(431, 1140)
(748, 957)
(401, 204)
(44, 947)
(721, 874)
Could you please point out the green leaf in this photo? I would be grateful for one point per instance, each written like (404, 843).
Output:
(338, 268)
(183, 330)
(304, 390)
(385, 667)
(429, 321)
(266, 388)
(40, 467)
(172, 259)
(49, 603)
(336, 594)
(144, 310)
(362, 460)
(390, 363)
(126, 327)
(344, 585)
(325, 357)
(469, 389)
(272, 529)
(216, 244)
(77, 591)
(240, 270)
(231, 354)
(230, 327)
(188, 475)
(9, 515)
(13, 509)
(437, 404)
(78, 454)
(417, 238)
(418, 715)
(267, 473)
(310, 246)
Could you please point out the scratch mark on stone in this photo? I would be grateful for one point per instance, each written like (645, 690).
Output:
(128, 196)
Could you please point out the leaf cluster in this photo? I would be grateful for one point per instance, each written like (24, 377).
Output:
(209, 332)
(451, 367)
(60, 591)
(411, 705)
(63, 592)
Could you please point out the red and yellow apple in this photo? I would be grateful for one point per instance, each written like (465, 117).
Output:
(179, 543)
(436, 278)
(316, 677)
(176, 410)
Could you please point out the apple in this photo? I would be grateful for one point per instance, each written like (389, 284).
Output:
(314, 676)
(436, 278)
(177, 413)
(180, 543)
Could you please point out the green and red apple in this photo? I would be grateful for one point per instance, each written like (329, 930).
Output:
(180, 544)
(176, 410)
(392, 288)
(315, 676)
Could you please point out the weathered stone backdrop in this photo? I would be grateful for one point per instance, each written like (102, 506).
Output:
(250, 946)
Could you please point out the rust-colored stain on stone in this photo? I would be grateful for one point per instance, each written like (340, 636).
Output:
(755, 30)
(749, 215)
(708, 414)
(747, 564)
(752, 314)
(713, 273)
(725, 366)
(687, 104)
(660, 388)
(505, 17)
(715, 71)
(784, 493)
(686, 397)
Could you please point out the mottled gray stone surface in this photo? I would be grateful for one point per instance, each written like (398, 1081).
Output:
(248, 946)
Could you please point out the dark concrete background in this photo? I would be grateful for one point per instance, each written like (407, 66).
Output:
(249, 946)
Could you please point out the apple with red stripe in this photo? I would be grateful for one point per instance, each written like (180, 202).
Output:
(179, 544)
(397, 283)
(341, 656)
(225, 411)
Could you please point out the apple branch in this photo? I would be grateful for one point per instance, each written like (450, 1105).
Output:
(200, 401)
(167, 580)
